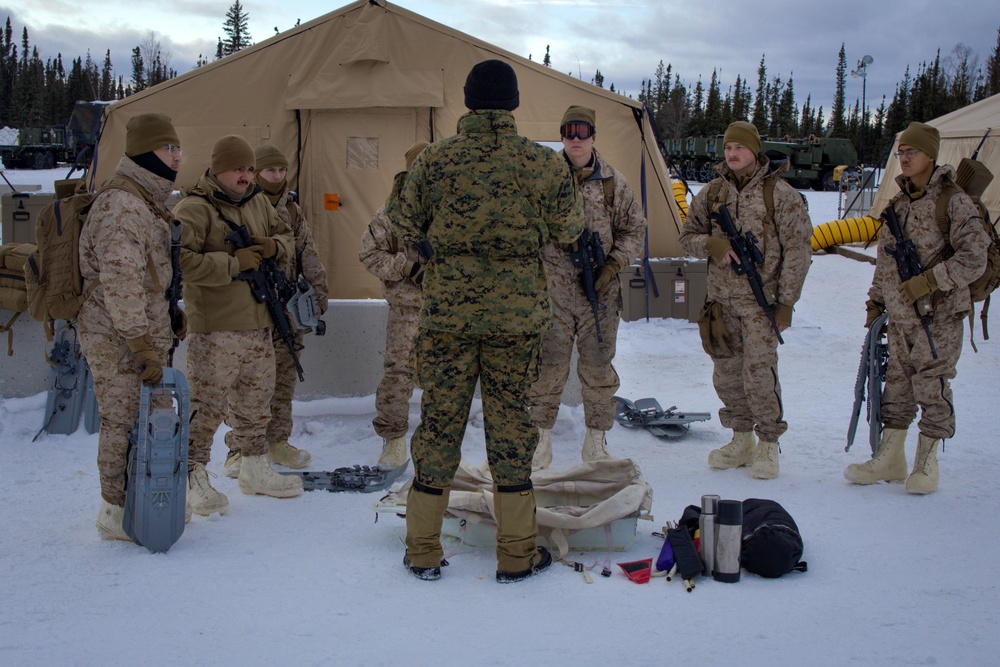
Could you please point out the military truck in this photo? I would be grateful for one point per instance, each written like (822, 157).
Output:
(48, 147)
(812, 161)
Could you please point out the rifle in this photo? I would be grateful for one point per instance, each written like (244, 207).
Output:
(587, 254)
(269, 286)
(908, 265)
(749, 255)
(871, 376)
(174, 289)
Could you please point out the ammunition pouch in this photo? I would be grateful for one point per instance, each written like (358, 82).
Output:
(713, 331)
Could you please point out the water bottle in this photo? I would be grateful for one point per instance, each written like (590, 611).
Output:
(729, 537)
(707, 527)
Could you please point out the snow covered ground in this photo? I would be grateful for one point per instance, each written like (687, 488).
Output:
(893, 579)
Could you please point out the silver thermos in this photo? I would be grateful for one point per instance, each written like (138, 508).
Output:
(707, 528)
(729, 537)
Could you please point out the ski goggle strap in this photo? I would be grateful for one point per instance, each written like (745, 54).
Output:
(577, 130)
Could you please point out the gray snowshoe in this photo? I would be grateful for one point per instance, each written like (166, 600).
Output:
(156, 488)
(646, 413)
(363, 479)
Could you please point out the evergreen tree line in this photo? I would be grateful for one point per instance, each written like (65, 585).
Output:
(938, 87)
(36, 93)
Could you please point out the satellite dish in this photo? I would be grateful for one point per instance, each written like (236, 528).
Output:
(867, 60)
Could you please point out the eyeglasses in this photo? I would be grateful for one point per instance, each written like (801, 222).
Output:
(908, 153)
(173, 150)
(577, 131)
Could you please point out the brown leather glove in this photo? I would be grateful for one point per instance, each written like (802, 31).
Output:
(875, 310)
(717, 247)
(783, 315)
(150, 368)
(249, 258)
(612, 267)
(918, 286)
(268, 248)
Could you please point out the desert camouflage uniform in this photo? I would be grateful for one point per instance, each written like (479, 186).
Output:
(914, 377)
(122, 236)
(386, 258)
(230, 358)
(747, 380)
(487, 200)
(306, 262)
(622, 231)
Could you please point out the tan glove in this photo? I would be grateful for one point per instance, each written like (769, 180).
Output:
(150, 368)
(249, 258)
(717, 247)
(875, 310)
(918, 286)
(268, 248)
(612, 267)
(783, 315)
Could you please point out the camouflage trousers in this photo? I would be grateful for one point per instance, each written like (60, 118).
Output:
(231, 376)
(279, 429)
(914, 377)
(117, 387)
(446, 367)
(747, 380)
(392, 398)
(574, 320)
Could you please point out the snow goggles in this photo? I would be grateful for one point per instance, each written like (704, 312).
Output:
(576, 130)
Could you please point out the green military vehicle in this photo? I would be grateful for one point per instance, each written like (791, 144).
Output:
(813, 161)
(49, 147)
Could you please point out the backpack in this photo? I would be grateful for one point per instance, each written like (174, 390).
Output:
(772, 545)
(52, 273)
(972, 179)
(13, 292)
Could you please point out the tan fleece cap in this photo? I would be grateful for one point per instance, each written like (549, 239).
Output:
(745, 133)
(269, 156)
(230, 152)
(147, 132)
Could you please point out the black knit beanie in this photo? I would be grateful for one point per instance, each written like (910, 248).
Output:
(492, 84)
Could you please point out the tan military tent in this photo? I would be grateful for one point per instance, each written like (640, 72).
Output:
(962, 132)
(346, 94)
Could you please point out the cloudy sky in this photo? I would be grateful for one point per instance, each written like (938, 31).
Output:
(624, 39)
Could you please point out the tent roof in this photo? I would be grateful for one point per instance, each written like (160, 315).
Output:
(962, 134)
(345, 94)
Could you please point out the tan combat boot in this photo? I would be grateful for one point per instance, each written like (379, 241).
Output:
(888, 464)
(393, 453)
(765, 460)
(201, 497)
(924, 477)
(258, 477)
(232, 465)
(286, 455)
(543, 452)
(109, 522)
(518, 557)
(595, 446)
(736, 454)
(425, 508)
